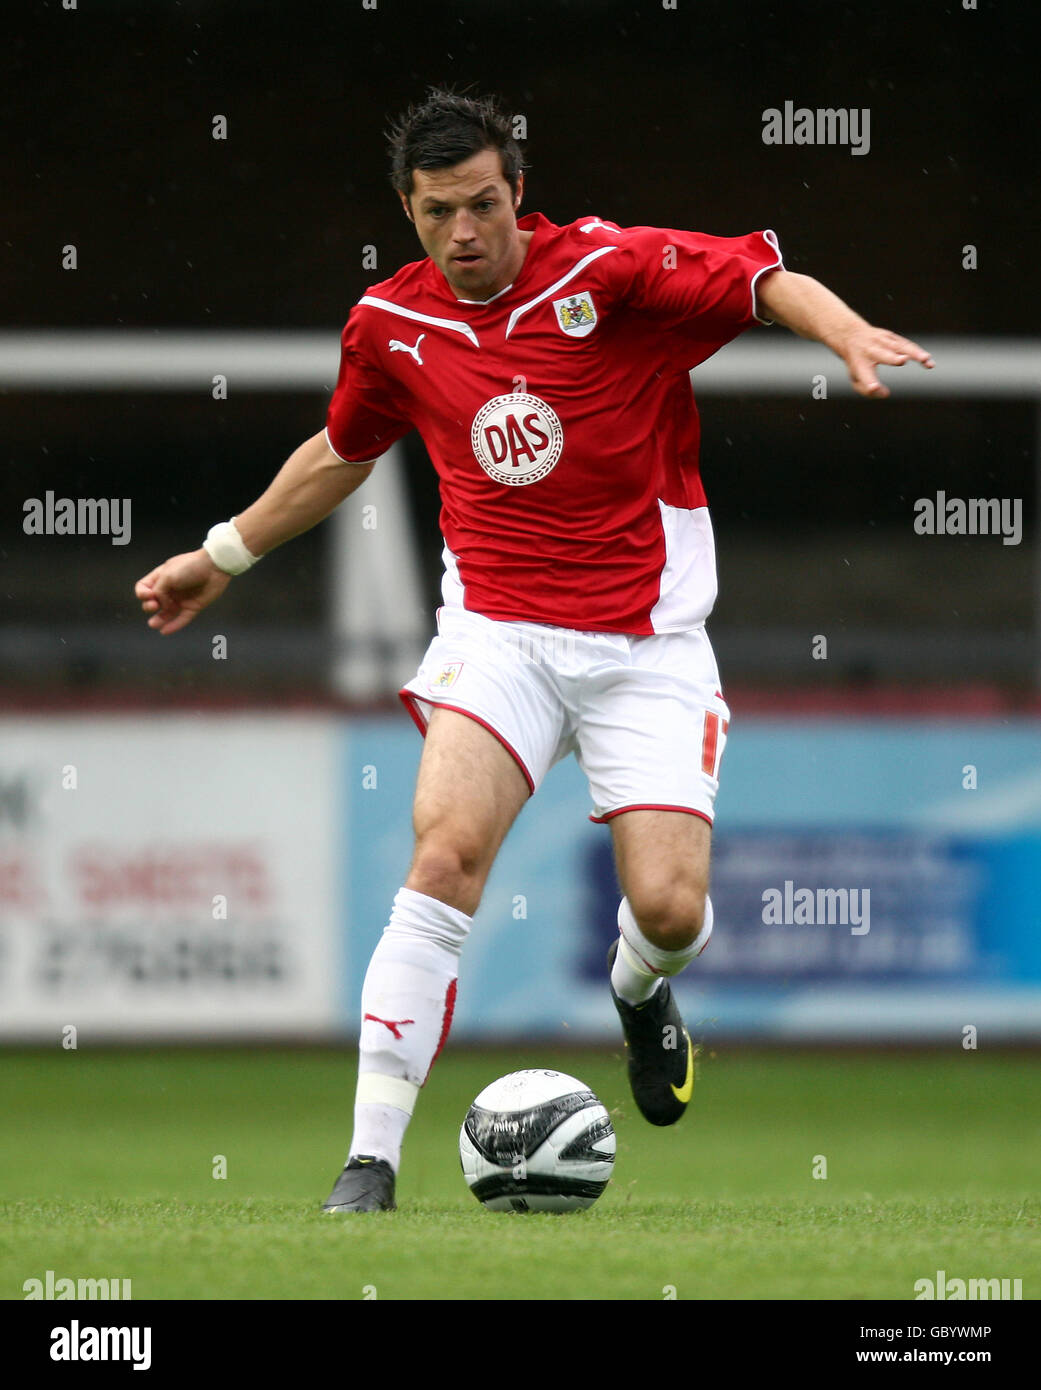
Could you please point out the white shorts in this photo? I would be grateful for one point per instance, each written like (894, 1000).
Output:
(644, 716)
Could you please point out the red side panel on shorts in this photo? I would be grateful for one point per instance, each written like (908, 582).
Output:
(710, 743)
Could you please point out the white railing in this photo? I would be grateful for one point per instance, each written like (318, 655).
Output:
(187, 360)
(376, 586)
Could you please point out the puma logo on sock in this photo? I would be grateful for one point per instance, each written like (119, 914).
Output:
(391, 1023)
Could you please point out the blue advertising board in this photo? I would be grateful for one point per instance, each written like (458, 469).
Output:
(872, 880)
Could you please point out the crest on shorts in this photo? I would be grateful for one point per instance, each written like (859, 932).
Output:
(576, 313)
(446, 676)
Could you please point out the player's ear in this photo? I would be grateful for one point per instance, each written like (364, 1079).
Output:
(519, 193)
(405, 205)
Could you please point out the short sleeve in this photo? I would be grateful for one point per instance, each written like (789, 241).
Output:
(366, 413)
(701, 288)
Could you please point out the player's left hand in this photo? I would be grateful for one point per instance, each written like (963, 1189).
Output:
(868, 347)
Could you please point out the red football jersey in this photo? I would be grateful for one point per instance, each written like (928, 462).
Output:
(560, 417)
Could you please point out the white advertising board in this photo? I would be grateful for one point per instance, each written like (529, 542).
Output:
(169, 876)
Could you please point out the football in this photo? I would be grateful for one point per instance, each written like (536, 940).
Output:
(537, 1141)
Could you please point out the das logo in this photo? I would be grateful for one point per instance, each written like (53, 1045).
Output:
(517, 439)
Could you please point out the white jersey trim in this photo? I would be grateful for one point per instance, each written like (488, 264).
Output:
(456, 325)
(771, 240)
(451, 585)
(358, 463)
(482, 302)
(687, 588)
(575, 270)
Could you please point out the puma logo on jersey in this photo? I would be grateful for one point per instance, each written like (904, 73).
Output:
(396, 345)
(589, 226)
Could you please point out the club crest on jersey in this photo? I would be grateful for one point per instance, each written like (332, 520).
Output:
(576, 314)
(446, 676)
(517, 439)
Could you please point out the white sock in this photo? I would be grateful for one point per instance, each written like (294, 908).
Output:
(639, 966)
(379, 1131)
(407, 1002)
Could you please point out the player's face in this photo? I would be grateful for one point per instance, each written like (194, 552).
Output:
(466, 217)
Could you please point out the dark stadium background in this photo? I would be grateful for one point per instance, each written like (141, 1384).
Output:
(906, 1058)
(636, 113)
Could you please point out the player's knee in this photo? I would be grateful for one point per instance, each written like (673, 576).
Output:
(451, 868)
(669, 915)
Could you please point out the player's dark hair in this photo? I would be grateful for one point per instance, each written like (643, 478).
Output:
(447, 128)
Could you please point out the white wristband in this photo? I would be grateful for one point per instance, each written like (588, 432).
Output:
(227, 549)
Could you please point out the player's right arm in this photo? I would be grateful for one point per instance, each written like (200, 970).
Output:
(311, 483)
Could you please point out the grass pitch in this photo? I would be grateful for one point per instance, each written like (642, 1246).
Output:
(933, 1162)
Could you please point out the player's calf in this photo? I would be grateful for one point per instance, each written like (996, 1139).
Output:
(668, 916)
(408, 999)
(660, 1050)
(641, 963)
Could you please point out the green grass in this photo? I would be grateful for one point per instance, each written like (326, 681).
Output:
(933, 1162)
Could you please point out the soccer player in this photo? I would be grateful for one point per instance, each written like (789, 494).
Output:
(547, 370)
